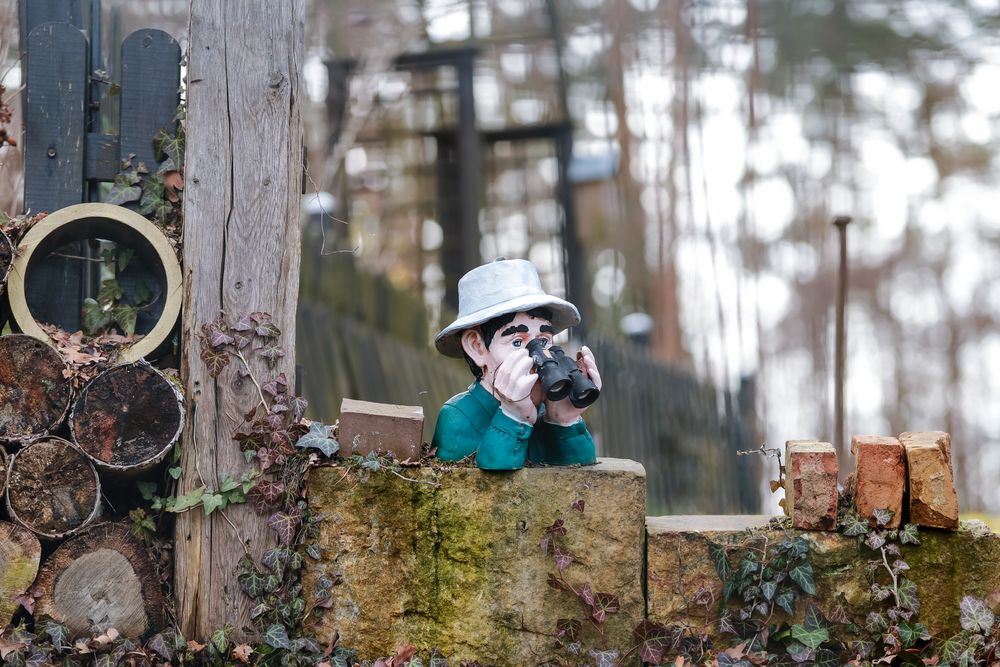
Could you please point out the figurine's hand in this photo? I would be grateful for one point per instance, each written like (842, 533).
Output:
(512, 384)
(564, 412)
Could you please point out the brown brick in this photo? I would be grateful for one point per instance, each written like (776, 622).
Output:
(811, 484)
(880, 475)
(933, 501)
(365, 427)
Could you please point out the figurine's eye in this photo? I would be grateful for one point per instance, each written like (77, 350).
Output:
(545, 341)
(517, 342)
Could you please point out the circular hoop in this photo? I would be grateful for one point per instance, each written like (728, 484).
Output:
(102, 214)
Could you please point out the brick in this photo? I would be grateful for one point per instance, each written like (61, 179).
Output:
(365, 427)
(453, 561)
(880, 476)
(811, 484)
(932, 498)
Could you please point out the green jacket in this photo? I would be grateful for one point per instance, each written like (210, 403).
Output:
(473, 422)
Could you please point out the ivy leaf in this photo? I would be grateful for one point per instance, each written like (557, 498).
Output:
(271, 353)
(863, 647)
(276, 386)
(802, 574)
(215, 360)
(267, 330)
(146, 489)
(266, 495)
(604, 604)
(910, 633)
(578, 505)
(159, 645)
(187, 501)
(212, 502)
(786, 600)
(826, 658)
(252, 583)
(319, 437)
(95, 317)
(654, 641)
(568, 629)
(722, 566)
(169, 150)
(275, 560)
(875, 541)
(906, 593)
(768, 589)
(313, 550)
(799, 652)
(58, 633)
(879, 592)
(908, 534)
(875, 622)
(854, 526)
(811, 638)
(298, 406)
(562, 558)
(243, 323)
(959, 645)
(123, 192)
(110, 292)
(286, 524)
(882, 517)
(814, 619)
(606, 658)
(975, 615)
(276, 636)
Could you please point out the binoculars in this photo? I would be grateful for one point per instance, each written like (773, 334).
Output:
(560, 376)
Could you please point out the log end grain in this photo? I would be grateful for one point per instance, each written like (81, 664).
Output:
(20, 554)
(34, 388)
(102, 576)
(127, 417)
(52, 488)
(6, 258)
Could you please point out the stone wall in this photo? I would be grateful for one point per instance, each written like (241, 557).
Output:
(450, 559)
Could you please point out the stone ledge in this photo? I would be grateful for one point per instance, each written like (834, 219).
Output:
(946, 566)
(458, 567)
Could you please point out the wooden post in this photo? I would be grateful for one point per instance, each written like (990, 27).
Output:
(243, 176)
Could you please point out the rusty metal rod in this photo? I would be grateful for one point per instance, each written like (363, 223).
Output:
(840, 222)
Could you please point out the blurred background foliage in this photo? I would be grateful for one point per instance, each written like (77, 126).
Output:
(673, 167)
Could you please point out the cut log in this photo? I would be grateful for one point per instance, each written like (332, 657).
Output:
(53, 488)
(20, 553)
(104, 576)
(127, 418)
(6, 258)
(35, 389)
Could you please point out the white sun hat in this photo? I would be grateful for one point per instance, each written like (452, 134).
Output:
(498, 288)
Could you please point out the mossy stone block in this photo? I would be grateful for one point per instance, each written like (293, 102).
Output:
(946, 566)
(452, 559)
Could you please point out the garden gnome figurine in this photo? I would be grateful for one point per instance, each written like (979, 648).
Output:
(505, 417)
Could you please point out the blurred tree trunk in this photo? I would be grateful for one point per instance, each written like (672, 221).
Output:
(633, 227)
(668, 339)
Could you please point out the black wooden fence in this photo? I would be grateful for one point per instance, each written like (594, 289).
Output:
(71, 106)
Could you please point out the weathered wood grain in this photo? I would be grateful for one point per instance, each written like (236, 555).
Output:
(243, 172)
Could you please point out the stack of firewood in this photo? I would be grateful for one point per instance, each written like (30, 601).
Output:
(63, 452)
